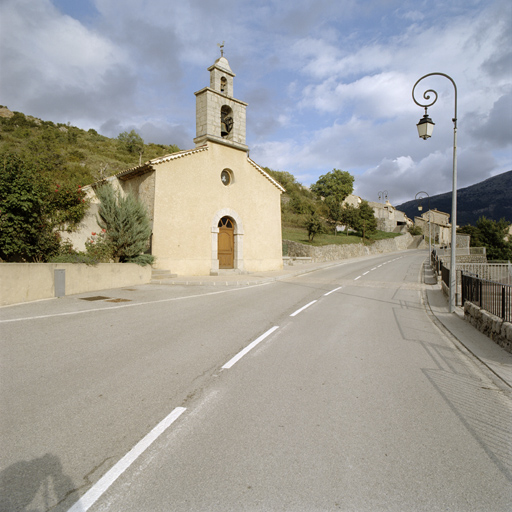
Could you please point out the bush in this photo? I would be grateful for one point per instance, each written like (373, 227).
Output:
(125, 223)
(415, 230)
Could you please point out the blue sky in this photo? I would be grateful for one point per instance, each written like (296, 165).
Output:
(328, 82)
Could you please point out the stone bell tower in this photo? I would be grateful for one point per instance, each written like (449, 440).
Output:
(220, 117)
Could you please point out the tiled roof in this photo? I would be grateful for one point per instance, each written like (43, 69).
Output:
(272, 180)
(148, 166)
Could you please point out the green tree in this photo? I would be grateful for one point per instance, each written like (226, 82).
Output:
(32, 210)
(476, 238)
(336, 183)
(126, 224)
(350, 217)
(367, 223)
(492, 235)
(314, 226)
(132, 142)
(333, 211)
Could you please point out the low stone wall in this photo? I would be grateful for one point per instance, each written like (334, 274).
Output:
(25, 282)
(342, 252)
(492, 326)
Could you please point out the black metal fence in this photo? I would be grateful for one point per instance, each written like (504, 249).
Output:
(445, 274)
(496, 298)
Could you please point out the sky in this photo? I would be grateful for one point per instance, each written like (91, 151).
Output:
(328, 82)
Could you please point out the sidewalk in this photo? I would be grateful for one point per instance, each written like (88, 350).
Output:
(230, 278)
(497, 360)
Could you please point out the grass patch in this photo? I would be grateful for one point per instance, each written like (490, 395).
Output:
(297, 234)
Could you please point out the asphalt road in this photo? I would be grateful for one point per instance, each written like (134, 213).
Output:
(352, 400)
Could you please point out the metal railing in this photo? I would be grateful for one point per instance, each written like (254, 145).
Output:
(496, 298)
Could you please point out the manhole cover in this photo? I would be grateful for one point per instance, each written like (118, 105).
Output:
(118, 300)
(98, 297)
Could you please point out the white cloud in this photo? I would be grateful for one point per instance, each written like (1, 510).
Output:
(328, 83)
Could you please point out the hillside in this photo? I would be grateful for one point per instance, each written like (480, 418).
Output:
(68, 153)
(491, 198)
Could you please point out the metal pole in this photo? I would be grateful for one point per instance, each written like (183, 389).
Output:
(453, 262)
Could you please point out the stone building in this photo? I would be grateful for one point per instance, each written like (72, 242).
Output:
(211, 207)
(390, 219)
(440, 227)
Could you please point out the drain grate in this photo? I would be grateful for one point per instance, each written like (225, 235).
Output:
(118, 300)
(97, 297)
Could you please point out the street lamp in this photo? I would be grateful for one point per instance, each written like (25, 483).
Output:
(383, 195)
(425, 128)
(420, 208)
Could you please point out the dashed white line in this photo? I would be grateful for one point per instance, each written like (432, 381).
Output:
(249, 347)
(303, 308)
(332, 291)
(374, 268)
(367, 272)
(99, 488)
(358, 277)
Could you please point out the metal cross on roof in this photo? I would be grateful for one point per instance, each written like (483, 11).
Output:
(221, 46)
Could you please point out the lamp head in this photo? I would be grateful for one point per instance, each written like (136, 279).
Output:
(425, 126)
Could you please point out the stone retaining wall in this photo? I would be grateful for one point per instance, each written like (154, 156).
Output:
(492, 326)
(25, 282)
(341, 252)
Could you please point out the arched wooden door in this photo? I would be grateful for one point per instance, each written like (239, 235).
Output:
(226, 244)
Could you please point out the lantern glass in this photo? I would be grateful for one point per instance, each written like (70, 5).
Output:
(425, 127)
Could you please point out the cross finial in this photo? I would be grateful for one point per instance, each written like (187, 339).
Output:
(221, 46)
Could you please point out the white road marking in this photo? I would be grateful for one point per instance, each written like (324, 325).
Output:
(358, 277)
(101, 486)
(303, 308)
(367, 272)
(95, 310)
(332, 291)
(374, 268)
(249, 347)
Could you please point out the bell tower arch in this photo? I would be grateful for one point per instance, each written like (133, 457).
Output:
(219, 116)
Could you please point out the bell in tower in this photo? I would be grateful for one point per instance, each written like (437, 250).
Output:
(219, 116)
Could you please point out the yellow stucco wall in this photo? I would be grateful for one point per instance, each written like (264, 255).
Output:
(190, 197)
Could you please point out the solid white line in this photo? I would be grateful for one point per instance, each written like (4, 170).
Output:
(95, 492)
(358, 277)
(303, 308)
(135, 304)
(249, 347)
(332, 291)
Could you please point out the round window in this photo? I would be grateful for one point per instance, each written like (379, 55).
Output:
(225, 177)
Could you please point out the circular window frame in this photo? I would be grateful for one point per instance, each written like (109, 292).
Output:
(229, 181)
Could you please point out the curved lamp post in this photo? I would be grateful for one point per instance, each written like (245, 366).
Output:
(429, 224)
(383, 195)
(425, 129)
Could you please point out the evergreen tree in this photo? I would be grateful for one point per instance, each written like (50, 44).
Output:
(126, 223)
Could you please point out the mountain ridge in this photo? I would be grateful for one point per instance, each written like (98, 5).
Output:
(491, 198)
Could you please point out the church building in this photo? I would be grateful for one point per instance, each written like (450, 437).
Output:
(212, 208)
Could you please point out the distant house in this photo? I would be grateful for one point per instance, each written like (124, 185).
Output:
(390, 219)
(211, 207)
(440, 227)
